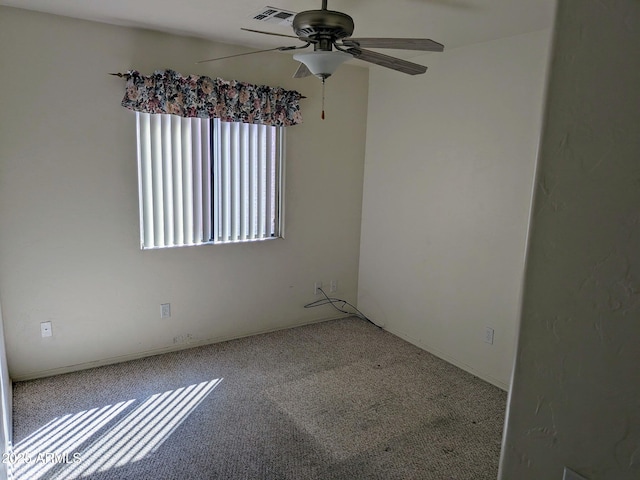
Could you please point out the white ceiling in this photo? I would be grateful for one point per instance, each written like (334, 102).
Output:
(451, 22)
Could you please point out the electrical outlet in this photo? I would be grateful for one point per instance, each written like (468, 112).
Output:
(46, 330)
(165, 310)
(488, 335)
(316, 288)
(333, 286)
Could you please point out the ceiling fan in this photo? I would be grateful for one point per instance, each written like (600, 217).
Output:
(329, 32)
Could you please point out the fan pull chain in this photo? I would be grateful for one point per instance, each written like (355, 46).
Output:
(322, 116)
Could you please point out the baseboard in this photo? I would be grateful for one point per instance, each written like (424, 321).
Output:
(434, 351)
(158, 351)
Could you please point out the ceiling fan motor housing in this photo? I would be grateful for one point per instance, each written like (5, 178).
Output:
(318, 25)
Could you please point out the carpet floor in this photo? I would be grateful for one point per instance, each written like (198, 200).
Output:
(334, 400)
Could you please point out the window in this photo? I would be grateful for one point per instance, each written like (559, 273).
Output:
(204, 181)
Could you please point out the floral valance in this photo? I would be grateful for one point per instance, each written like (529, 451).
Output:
(166, 91)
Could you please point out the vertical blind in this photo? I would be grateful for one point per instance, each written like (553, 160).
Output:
(206, 181)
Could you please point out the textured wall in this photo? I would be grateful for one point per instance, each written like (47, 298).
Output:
(576, 392)
(448, 180)
(69, 228)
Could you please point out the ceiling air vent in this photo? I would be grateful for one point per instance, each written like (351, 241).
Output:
(275, 15)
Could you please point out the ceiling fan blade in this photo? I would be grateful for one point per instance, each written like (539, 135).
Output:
(302, 71)
(423, 44)
(387, 61)
(268, 33)
(282, 49)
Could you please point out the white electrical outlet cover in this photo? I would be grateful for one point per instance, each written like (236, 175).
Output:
(489, 335)
(45, 329)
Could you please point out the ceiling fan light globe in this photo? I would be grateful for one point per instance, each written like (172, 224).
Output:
(323, 64)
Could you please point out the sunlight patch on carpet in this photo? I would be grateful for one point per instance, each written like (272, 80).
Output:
(78, 445)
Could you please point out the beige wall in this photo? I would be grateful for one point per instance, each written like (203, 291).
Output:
(69, 240)
(448, 179)
(576, 391)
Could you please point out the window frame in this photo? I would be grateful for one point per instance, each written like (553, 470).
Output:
(216, 235)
